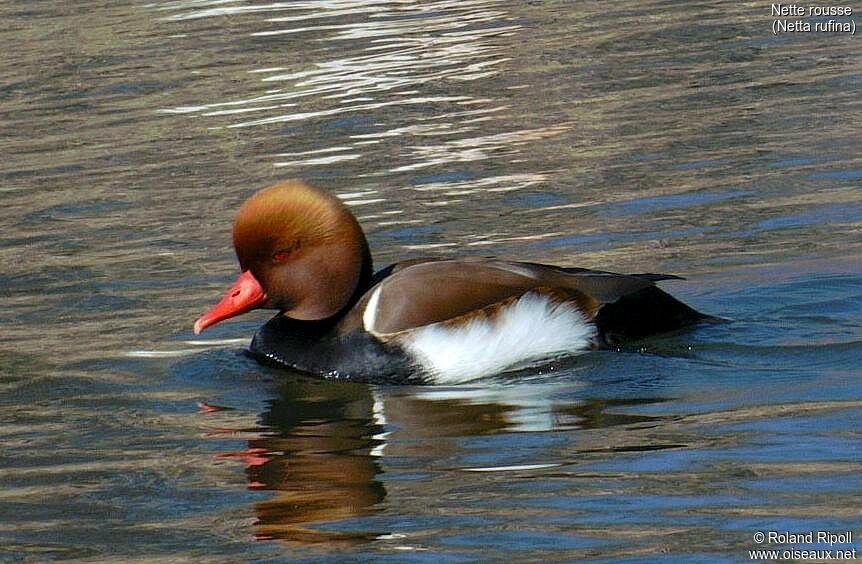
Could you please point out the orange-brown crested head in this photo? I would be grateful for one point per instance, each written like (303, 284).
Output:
(300, 250)
(304, 247)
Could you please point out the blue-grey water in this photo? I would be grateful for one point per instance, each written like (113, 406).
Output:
(628, 136)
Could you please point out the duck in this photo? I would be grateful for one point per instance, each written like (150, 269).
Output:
(434, 320)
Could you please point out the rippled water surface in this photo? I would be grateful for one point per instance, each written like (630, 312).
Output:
(629, 136)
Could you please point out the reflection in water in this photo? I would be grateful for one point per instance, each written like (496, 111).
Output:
(344, 461)
(318, 456)
(323, 446)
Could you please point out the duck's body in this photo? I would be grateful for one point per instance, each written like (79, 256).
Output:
(426, 320)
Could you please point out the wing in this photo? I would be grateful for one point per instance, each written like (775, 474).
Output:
(423, 293)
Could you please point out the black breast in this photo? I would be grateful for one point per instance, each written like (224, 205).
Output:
(317, 348)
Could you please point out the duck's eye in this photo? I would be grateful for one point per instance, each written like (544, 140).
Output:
(282, 254)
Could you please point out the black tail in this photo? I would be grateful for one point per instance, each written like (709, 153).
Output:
(646, 312)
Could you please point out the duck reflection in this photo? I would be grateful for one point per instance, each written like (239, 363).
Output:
(324, 443)
(318, 455)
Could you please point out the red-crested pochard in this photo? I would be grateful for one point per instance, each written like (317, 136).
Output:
(302, 252)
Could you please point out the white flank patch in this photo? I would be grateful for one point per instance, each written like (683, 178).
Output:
(370, 313)
(532, 328)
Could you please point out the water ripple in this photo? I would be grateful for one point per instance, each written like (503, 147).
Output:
(402, 50)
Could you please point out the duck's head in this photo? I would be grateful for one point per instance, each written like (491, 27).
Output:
(300, 250)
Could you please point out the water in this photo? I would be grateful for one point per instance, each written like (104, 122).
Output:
(642, 136)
